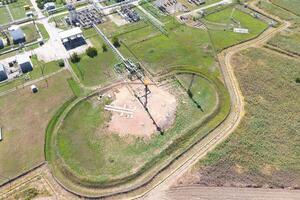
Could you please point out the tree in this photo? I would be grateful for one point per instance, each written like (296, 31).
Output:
(92, 52)
(298, 80)
(104, 47)
(61, 63)
(116, 42)
(75, 58)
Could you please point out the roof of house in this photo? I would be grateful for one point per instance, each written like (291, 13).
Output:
(69, 33)
(17, 34)
(2, 67)
(23, 58)
(49, 4)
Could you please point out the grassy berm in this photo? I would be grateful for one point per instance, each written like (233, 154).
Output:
(264, 151)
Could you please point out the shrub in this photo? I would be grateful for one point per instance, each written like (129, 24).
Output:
(116, 42)
(75, 58)
(104, 48)
(298, 80)
(91, 52)
(61, 63)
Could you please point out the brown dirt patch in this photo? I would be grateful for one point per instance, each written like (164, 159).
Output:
(161, 105)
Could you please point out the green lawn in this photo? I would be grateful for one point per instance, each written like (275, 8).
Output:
(4, 16)
(17, 10)
(97, 70)
(183, 46)
(83, 136)
(75, 87)
(264, 150)
(30, 32)
(226, 37)
(43, 31)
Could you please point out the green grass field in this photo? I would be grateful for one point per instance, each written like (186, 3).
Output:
(119, 157)
(97, 70)
(183, 46)
(43, 31)
(226, 37)
(4, 16)
(264, 150)
(116, 156)
(17, 10)
(30, 32)
(23, 118)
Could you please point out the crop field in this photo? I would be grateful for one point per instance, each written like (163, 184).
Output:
(97, 70)
(23, 118)
(35, 74)
(225, 36)
(17, 10)
(287, 41)
(275, 10)
(264, 151)
(4, 15)
(291, 5)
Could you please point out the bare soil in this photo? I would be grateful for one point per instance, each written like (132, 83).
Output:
(161, 105)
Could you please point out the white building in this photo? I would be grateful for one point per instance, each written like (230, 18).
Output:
(49, 6)
(24, 63)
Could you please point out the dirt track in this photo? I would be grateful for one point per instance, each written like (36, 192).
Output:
(223, 131)
(161, 189)
(216, 193)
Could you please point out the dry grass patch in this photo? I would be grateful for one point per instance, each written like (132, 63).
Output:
(24, 117)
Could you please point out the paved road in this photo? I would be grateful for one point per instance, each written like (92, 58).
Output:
(229, 193)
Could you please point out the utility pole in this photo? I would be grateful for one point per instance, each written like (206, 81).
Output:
(43, 75)
(146, 93)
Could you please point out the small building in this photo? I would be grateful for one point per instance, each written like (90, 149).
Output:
(17, 36)
(70, 34)
(72, 38)
(3, 74)
(34, 89)
(49, 6)
(26, 7)
(29, 14)
(24, 63)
